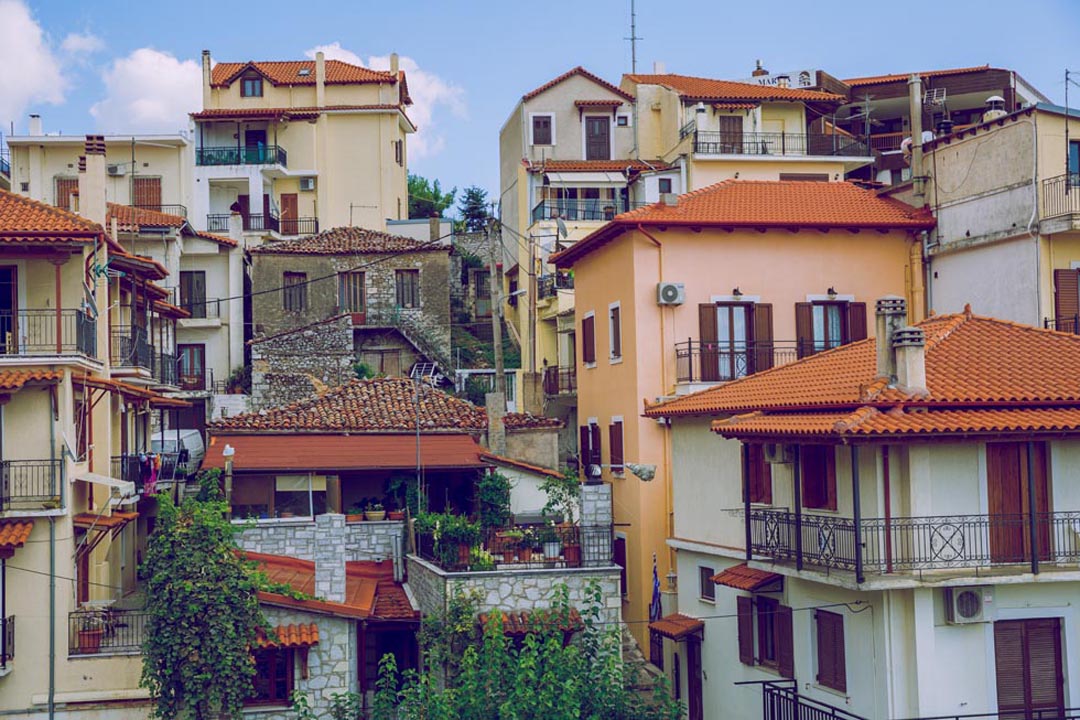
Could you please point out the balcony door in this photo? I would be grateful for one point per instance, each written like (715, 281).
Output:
(597, 137)
(735, 340)
(289, 214)
(1030, 677)
(192, 361)
(1009, 490)
(254, 147)
(695, 706)
(9, 309)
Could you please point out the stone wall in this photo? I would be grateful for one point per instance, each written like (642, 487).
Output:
(539, 446)
(302, 538)
(301, 364)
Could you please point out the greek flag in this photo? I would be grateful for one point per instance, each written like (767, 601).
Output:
(654, 607)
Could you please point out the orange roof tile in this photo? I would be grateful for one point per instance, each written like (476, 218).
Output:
(289, 636)
(707, 89)
(15, 379)
(677, 626)
(571, 73)
(895, 77)
(535, 621)
(170, 310)
(300, 72)
(764, 204)
(347, 450)
(349, 241)
(221, 239)
(26, 220)
(528, 421)
(529, 467)
(130, 391)
(742, 577)
(628, 166)
(13, 535)
(735, 105)
(132, 219)
(597, 103)
(89, 520)
(292, 113)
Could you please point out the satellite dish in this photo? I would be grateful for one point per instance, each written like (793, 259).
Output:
(563, 232)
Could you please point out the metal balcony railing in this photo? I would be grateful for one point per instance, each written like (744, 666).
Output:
(168, 209)
(106, 631)
(218, 222)
(47, 332)
(560, 380)
(7, 641)
(708, 142)
(165, 370)
(131, 347)
(298, 226)
(234, 155)
(30, 484)
(539, 547)
(548, 285)
(1061, 195)
(780, 700)
(5, 164)
(697, 361)
(588, 209)
(205, 309)
(1063, 324)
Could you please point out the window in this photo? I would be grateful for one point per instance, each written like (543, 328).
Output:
(146, 192)
(614, 332)
(831, 669)
(765, 634)
(765, 618)
(1066, 300)
(351, 292)
(251, 86)
(622, 121)
(589, 450)
(735, 340)
(399, 152)
(818, 464)
(615, 445)
(299, 495)
(707, 588)
(408, 288)
(192, 363)
(542, 130)
(588, 339)
(1074, 162)
(273, 681)
(759, 480)
(656, 649)
(294, 292)
(65, 188)
(193, 292)
(665, 185)
(821, 325)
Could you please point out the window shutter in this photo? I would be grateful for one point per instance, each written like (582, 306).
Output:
(618, 556)
(1009, 661)
(588, 339)
(707, 341)
(804, 328)
(1044, 653)
(832, 669)
(615, 441)
(760, 475)
(785, 648)
(856, 321)
(616, 333)
(745, 611)
(594, 445)
(1066, 299)
(584, 438)
(763, 337)
(146, 192)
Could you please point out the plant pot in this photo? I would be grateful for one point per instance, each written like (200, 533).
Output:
(463, 555)
(525, 554)
(90, 640)
(396, 515)
(572, 554)
(354, 518)
(552, 549)
(375, 514)
(508, 555)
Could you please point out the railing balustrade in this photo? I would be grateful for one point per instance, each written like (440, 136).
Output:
(168, 209)
(218, 222)
(549, 285)
(560, 380)
(106, 631)
(7, 641)
(47, 332)
(590, 209)
(541, 547)
(235, 155)
(30, 484)
(698, 361)
(165, 371)
(710, 142)
(298, 226)
(131, 347)
(205, 309)
(781, 701)
(1061, 195)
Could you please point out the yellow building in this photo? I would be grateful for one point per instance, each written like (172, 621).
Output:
(296, 146)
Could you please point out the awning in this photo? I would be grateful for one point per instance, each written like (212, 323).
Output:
(676, 626)
(13, 535)
(318, 452)
(289, 636)
(743, 577)
(590, 179)
(117, 520)
(120, 488)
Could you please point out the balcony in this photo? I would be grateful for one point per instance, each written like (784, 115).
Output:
(708, 142)
(1063, 324)
(202, 309)
(236, 155)
(47, 332)
(560, 381)
(219, 223)
(587, 209)
(1061, 196)
(106, 631)
(5, 164)
(30, 484)
(533, 548)
(173, 209)
(130, 468)
(131, 347)
(549, 285)
(7, 641)
(697, 361)
(165, 371)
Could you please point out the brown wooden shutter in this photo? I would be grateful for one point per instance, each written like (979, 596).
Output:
(64, 189)
(804, 328)
(146, 192)
(616, 333)
(830, 477)
(760, 475)
(1009, 659)
(763, 338)
(615, 446)
(1066, 299)
(856, 312)
(584, 437)
(785, 639)
(709, 359)
(1047, 692)
(745, 611)
(618, 556)
(832, 668)
(588, 339)
(594, 445)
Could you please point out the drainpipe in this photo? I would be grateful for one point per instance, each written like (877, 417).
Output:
(857, 514)
(1033, 517)
(52, 574)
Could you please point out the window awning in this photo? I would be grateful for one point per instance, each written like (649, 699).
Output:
(120, 488)
(289, 636)
(13, 535)
(676, 626)
(589, 179)
(743, 577)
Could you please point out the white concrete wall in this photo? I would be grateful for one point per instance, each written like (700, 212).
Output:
(999, 280)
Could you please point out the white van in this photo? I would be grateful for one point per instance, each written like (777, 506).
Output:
(186, 445)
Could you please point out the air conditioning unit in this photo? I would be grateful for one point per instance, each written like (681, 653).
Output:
(115, 169)
(778, 454)
(670, 293)
(307, 184)
(965, 605)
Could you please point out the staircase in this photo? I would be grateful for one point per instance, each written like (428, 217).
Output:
(414, 332)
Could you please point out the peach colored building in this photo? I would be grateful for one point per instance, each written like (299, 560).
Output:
(729, 280)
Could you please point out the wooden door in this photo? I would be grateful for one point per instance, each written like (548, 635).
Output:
(289, 224)
(192, 361)
(1030, 681)
(1009, 505)
(9, 309)
(694, 705)
(730, 133)
(597, 137)
(244, 201)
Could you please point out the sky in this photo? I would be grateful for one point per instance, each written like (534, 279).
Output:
(118, 66)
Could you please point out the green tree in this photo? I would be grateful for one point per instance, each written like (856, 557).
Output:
(474, 209)
(203, 612)
(426, 198)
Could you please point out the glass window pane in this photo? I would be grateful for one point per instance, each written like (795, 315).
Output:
(819, 327)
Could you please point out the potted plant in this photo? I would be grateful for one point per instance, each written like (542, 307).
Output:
(564, 496)
(493, 497)
(512, 543)
(91, 630)
(481, 560)
(395, 514)
(549, 539)
(460, 531)
(375, 511)
(355, 513)
(525, 547)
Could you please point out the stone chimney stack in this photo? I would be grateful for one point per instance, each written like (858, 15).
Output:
(891, 316)
(320, 79)
(92, 180)
(35, 128)
(434, 229)
(206, 94)
(394, 63)
(909, 343)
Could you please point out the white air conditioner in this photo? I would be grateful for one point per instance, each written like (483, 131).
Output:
(778, 453)
(668, 293)
(307, 184)
(115, 169)
(965, 605)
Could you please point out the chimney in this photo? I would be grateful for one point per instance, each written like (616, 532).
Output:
(909, 344)
(320, 79)
(34, 128)
(891, 316)
(393, 63)
(670, 199)
(783, 81)
(659, 68)
(915, 111)
(759, 71)
(92, 180)
(495, 404)
(434, 230)
(206, 94)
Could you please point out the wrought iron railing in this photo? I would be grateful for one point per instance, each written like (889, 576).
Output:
(7, 641)
(560, 380)
(298, 226)
(30, 484)
(131, 347)
(539, 547)
(168, 209)
(780, 700)
(711, 142)
(196, 379)
(47, 332)
(688, 129)
(134, 469)
(549, 285)
(165, 371)
(233, 155)
(218, 222)
(106, 631)
(1061, 195)
(5, 164)
(593, 209)
(203, 309)
(697, 361)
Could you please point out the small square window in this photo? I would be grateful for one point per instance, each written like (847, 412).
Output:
(251, 87)
(665, 185)
(622, 121)
(705, 583)
(541, 130)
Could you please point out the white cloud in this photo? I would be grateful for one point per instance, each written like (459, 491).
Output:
(82, 44)
(430, 94)
(149, 91)
(33, 72)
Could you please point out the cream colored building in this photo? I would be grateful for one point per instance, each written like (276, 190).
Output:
(299, 146)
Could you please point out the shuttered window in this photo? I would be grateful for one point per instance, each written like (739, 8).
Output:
(408, 288)
(1067, 300)
(589, 447)
(541, 130)
(1028, 665)
(759, 481)
(294, 292)
(594, 444)
(351, 292)
(146, 192)
(765, 634)
(615, 332)
(818, 466)
(824, 325)
(65, 187)
(193, 292)
(785, 642)
(615, 445)
(745, 613)
(588, 340)
(767, 649)
(831, 667)
(618, 556)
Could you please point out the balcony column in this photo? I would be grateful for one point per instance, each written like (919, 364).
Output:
(59, 309)
(746, 500)
(856, 514)
(1033, 520)
(796, 473)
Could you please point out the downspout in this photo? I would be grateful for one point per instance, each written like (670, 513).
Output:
(52, 569)
(1033, 222)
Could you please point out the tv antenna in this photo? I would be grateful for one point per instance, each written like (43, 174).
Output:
(633, 38)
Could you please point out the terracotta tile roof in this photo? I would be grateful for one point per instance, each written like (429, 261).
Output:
(15, 379)
(289, 636)
(517, 623)
(764, 204)
(13, 535)
(598, 103)
(374, 406)
(633, 166)
(742, 577)
(895, 77)
(571, 73)
(528, 421)
(131, 391)
(132, 219)
(89, 520)
(221, 239)
(26, 220)
(735, 105)
(697, 88)
(520, 464)
(143, 266)
(288, 72)
(677, 626)
(170, 310)
(348, 241)
(293, 113)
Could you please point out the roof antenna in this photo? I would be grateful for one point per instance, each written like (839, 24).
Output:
(633, 39)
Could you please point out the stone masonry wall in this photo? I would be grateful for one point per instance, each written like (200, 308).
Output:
(301, 364)
(302, 539)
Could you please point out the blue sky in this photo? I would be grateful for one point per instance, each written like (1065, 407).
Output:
(126, 66)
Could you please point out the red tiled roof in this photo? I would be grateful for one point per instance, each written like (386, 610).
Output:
(288, 72)
(13, 535)
(15, 379)
(677, 626)
(519, 623)
(598, 103)
(89, 520)
(130, 391)
(170, 310)
(132, 219)
(292, 113)
(571, 73)
(149, 267)
(520, 464)
(735, 105)
(880, 79)
(221, 239)
(742, 577)
(528, 421)
(628, 166)
(349, 241)
(30, 221)
(289, 636)
(764, 204)
(707, 89)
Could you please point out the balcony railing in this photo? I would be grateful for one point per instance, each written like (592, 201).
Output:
(47, 332)
(298, 226)
(1061, 195)
(250, 223)
(592, 209)
(165, 371)
(203, 309)
(5, 164)
(697, 361)
(560, 380)
(1063, 324)
(218, 222)
(199, 379)
(131, 347)
(549, 547)
(106, 631)
(233, 155)
(7, 641)
(710, 142)
(887, 142)
(548, 285)
(168, 209)
(131, 468)
(780, 700)
(30, 484)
